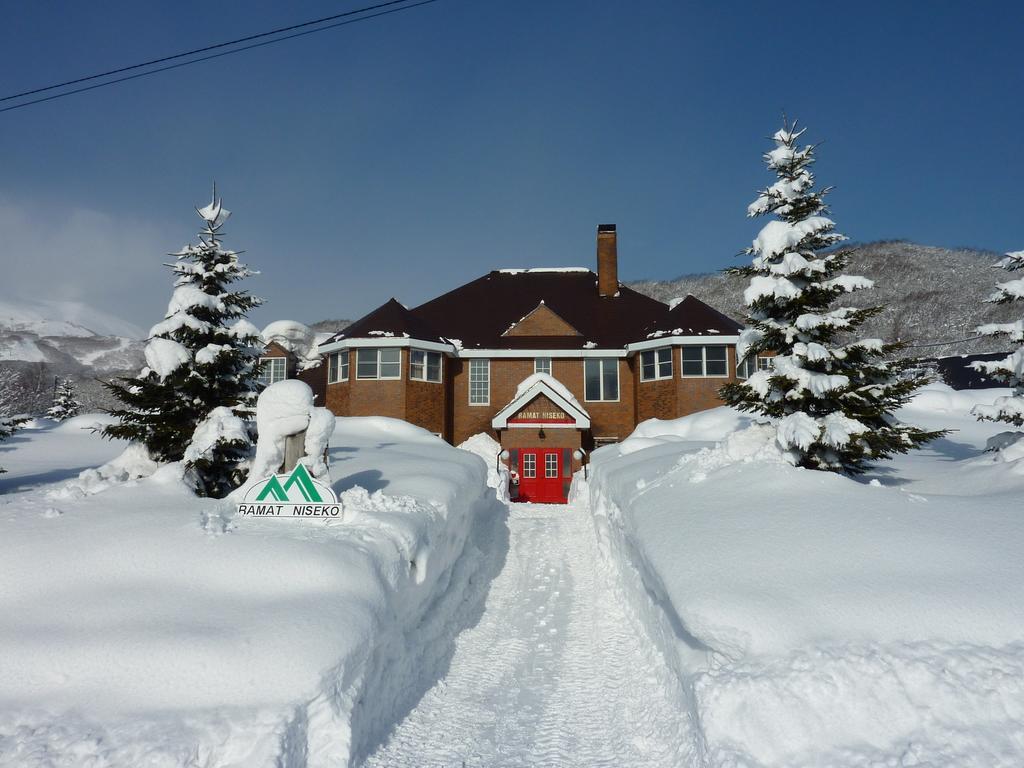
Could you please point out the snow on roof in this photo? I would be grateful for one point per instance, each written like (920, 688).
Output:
(545, 378)
(535, 270)
(295, 337)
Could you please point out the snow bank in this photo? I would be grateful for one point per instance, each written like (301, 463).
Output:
(487, 448)
(817, 620)
(130, 635)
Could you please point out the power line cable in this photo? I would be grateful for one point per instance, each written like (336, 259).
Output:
(347, 21)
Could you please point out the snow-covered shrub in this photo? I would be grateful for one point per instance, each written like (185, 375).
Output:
(832, 400)
(201, 358)
(1009, 370)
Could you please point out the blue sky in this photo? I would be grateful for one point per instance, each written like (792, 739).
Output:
(406, 155)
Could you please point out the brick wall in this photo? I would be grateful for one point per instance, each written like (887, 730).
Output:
(699, 394)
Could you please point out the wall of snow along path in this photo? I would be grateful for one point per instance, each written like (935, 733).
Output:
(819, 620)
(140, 625)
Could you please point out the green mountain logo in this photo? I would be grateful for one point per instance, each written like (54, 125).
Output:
(300, 480)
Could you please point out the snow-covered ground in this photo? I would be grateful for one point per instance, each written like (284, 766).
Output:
(818, 620)
(138, 626)
(701, 603)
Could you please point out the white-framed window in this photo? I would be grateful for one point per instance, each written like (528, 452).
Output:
(272, 369)
(752, 363)
(529, 465)
(479, 381)
(711, 361)
(542, 365)
(601, 379)
(337, 367)
(382, 363)
(656, 364)
(424, 366)
(551, 465)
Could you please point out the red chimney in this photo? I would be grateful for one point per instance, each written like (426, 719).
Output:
(607, 261)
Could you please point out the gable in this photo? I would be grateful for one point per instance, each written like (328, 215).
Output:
(542, 321)
(542, 409)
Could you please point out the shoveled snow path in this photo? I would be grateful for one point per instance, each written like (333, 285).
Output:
(555, 672)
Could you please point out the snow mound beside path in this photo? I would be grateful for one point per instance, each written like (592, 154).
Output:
(814, 619)
(130, 635)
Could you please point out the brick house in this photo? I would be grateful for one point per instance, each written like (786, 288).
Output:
(550, 362)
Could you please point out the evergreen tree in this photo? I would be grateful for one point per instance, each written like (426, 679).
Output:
(203, 356)
(65, 404)
(8, 426)
(1009, 370)
(832, 402)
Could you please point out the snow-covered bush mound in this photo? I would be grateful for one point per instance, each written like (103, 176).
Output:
(819, 620)
(133, 636)
(487, 448)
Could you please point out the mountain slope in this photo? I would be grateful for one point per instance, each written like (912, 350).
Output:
(933, 297)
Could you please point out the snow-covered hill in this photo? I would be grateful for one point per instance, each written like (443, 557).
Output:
(43, 340)
(932, 296)
(67, 334)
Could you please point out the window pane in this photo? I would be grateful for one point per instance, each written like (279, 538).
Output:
(693, 361)
(765, 364)
(551, 465)
(717, 361)
(542, 365)
(529, 465)
(366, 363)
(479, 382)
(665, 363)
(277, 369)
(264, 375)
(344, 364)
(592, 379)
(746, 367)
(332, 367)
(416, 367)
(610, 380)
(648, 370)
(433, 366)
(390, 363)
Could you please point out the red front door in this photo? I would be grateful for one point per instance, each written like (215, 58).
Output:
(543, 475)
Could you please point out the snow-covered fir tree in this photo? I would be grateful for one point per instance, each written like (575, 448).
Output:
(832, 400)
(203, 357)
(65, 404)
(8, 426)
(1009, 370)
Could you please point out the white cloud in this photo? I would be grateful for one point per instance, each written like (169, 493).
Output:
(112, 263)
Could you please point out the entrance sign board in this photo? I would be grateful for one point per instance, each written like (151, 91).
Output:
(293, 495)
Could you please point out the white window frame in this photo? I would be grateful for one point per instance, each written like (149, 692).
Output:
(548, 469)
(343, 366)
(478, 364)
(703, 362)
(658, 362)
(529, 466)
(602, 361)
(268, 364)
(377, 352)
(761, 363)
(537, 365)
(425, 366)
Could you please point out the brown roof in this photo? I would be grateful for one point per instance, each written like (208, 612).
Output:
(480, 312)
(389, 319)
